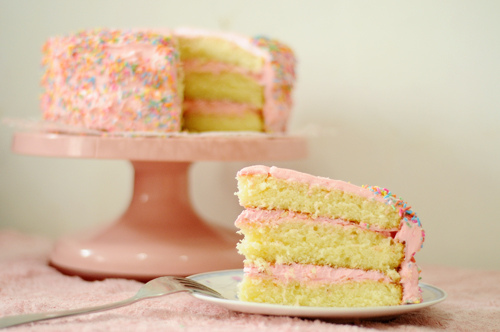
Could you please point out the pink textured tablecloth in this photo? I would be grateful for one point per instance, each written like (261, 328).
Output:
(28, 284)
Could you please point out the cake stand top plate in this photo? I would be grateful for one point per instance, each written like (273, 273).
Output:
(188, 147)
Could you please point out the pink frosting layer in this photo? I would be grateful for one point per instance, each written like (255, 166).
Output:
(217, 108)
(276, 217)
(411, 235)
(314, 273)
(219, 67)
(409, 273)
(291, 175)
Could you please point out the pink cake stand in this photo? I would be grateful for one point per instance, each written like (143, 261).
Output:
(159, 233)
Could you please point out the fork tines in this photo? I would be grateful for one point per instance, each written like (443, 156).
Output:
(194, 285)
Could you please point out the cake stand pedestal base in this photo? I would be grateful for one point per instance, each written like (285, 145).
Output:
(158, 235)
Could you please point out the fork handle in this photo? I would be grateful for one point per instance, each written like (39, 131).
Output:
(28, 318)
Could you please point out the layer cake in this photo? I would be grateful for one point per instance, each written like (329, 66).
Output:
(165, 81)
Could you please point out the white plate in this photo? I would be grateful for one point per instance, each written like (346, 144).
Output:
(225, 282)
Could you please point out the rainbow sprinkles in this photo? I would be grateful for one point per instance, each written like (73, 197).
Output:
(405, 212)
(112, 80)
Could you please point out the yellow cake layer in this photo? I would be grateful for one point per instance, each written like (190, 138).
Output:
(320, 244)
(349, 294)
(224, 86)
(265, 192)
(219, 50)
(247, 122)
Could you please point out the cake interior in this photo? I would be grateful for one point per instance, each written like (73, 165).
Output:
(263, 191)
(320, 243)
(221, 87)
(348, 294)
(213, 49)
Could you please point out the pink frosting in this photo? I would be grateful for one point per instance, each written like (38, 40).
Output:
(291, 175)
(195, 65)
(409, 273)
(217, 107)
(112, 80)
(315, 273)
(276, 217)
(411, 235)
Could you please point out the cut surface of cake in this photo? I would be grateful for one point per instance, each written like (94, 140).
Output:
(194, 80)
(314, 241)
(235, 82)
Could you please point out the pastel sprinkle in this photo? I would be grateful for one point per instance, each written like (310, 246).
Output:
(101, 72)
(404, 210)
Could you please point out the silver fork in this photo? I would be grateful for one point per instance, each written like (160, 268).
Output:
(154, 288)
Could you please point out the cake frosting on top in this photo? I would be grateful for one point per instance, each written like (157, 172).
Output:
(167, 81)
(316, 241)
(113, 80)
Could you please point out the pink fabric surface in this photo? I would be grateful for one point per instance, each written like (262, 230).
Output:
(28, 284)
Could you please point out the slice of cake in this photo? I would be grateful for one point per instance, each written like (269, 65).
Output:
(315, 241)
(113, 80)
(235, 82)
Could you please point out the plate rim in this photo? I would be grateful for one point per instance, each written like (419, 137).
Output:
(326, 312)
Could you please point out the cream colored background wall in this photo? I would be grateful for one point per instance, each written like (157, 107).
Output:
(399, 94)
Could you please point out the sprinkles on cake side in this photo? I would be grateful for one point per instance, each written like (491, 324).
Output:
(113, 80)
